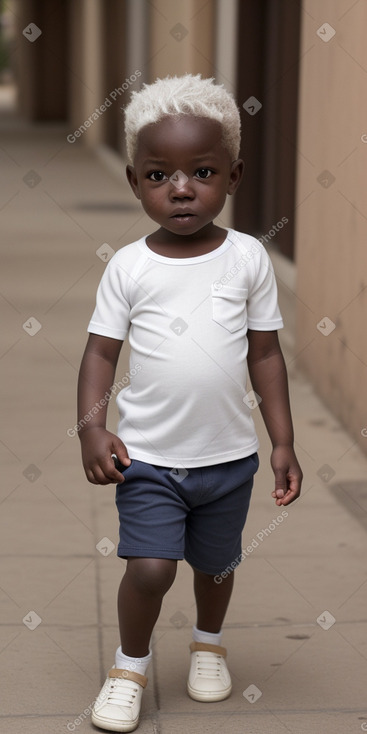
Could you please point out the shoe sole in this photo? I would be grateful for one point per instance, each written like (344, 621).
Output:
(114, 726)
(207, 697)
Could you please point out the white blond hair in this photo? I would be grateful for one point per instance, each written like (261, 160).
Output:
(183, 95)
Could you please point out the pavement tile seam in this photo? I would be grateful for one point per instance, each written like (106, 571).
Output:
(260, 625)
(98, 592)
(168, 628)
(261, 712)
(203, 714)
(49, 555)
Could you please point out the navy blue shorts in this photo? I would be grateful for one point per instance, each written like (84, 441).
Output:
(197, 514)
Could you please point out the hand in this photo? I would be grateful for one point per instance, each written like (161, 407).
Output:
(288, 475)
(97, 446)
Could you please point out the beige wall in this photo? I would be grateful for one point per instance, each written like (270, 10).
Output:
(86, 67)
(225, 68)
(181, 37)
(331, 231)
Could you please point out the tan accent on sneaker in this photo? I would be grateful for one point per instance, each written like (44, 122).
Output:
(129, 675)
(207, 647)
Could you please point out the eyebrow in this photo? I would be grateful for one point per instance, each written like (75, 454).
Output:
(154, 162)
(162, 161)
(204, 156)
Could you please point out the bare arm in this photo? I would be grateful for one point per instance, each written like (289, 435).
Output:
(268, 375)
(96, 376)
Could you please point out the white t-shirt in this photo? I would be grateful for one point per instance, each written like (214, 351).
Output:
(187, 319)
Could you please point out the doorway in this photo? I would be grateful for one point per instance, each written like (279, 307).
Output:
(267, 93)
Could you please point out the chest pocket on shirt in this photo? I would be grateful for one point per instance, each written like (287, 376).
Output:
(229, 306)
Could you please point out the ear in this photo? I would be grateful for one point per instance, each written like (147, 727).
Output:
(133, 180)
(235, 175)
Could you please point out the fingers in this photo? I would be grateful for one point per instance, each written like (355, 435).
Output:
(290, 493)
(120, 451)
(96, 476)
(105, 472)
(278, 494)
(280, 490)
(286, 499)
(105, 458)
(288, 475)
(121, 461)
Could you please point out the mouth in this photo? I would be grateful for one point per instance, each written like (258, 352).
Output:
(182, 216)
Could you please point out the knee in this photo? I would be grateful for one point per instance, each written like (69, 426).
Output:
(153, 576)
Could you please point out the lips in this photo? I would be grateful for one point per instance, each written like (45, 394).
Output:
(182, 213)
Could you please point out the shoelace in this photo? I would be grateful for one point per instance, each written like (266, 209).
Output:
(208, 666)
(119, 694)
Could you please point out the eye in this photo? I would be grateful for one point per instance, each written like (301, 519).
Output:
(203, 173)
(157, 176)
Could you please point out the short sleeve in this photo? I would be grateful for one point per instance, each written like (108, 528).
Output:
(262, 308)
(111, 316)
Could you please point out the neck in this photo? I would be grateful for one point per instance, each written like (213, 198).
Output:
(168, 244)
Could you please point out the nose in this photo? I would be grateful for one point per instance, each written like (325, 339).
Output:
(180, 186)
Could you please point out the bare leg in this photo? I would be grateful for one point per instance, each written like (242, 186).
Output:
(212, 600)
(140, 596)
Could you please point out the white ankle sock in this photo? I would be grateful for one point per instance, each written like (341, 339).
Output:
(137, 665)
(213, 638)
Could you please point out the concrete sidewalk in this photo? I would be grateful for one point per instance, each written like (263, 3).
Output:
(294, 668)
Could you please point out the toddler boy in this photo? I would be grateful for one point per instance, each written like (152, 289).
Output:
(199, 305)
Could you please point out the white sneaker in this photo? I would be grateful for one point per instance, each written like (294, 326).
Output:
(209, 679)
(117, 707)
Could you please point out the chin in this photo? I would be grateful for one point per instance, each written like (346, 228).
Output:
(182, 230)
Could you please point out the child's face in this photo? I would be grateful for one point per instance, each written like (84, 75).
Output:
(182, 173)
